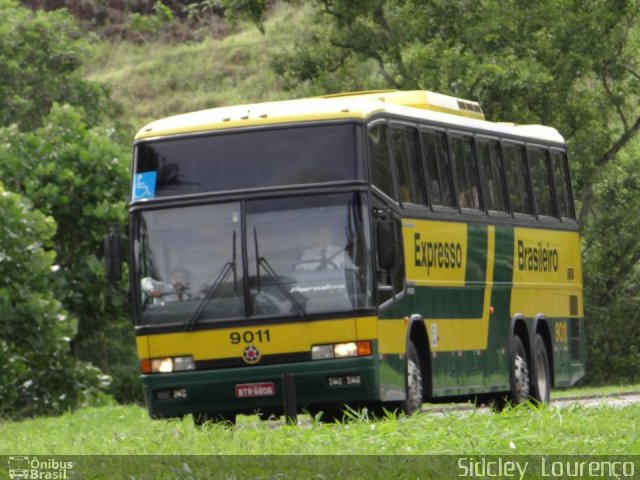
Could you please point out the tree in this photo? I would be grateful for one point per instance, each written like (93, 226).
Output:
(37, 374)
(77, 175)
(40, 57)
(72, 172)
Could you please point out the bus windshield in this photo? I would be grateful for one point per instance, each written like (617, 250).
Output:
(259, 158)
(297, 256)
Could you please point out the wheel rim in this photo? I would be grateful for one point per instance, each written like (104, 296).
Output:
(414, 387)
(521, 376)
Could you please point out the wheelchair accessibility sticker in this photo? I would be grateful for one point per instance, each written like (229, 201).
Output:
(144, 185)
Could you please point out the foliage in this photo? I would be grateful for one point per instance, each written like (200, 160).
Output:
(78, 176)
(160, 79)
(611, 260)
(40, 54)
(148, 26)
(252, 10)
(37, 374)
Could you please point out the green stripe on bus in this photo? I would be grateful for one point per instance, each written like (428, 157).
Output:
(476, 253)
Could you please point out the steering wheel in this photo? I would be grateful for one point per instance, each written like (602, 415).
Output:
(324, 263)
(321, 264)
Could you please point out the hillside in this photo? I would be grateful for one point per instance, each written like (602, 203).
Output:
(157, 78)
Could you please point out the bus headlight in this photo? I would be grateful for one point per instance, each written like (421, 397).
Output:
(162, 365)
(167, 364)
(341, 350)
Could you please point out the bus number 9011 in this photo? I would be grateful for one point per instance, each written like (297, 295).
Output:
(249, 336)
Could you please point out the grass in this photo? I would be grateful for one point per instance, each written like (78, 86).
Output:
(601, 391)
(116, 442)
(154, 80)
(120, 430)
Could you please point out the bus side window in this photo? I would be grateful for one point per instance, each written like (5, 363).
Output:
(381, 175)
(465, 172)
(515, 164)
(405, 149)
(541, 182)
(561, 179)
(435, 161)
(492, 175)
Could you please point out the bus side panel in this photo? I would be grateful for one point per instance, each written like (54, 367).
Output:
(497, 354)
(453, 292)
(547, 278)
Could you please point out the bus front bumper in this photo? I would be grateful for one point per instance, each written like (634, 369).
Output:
(260, 388)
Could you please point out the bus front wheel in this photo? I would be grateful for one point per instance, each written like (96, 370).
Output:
(413, 402)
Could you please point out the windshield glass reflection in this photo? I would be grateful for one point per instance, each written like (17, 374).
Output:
(181, 255)
(315, 250)
(305, 256)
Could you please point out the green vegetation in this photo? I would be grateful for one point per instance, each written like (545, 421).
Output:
(155, 80)
(73, 95)
(608, 391)
(119, 430)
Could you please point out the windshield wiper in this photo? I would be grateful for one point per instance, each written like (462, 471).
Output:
(213, 288)
(274, 276)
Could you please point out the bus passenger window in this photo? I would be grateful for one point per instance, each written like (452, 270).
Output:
(435, 159)
(381, 175)
(492, 175)
(558, 166)
(405, 149)
(464, 172)
(517, 184)
(541, 182)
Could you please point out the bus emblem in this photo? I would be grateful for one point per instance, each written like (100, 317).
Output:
(251, 355)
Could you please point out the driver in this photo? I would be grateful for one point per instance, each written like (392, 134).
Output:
(175, 291)
(324, 255)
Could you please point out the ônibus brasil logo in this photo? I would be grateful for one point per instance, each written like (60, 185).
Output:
(27, 468)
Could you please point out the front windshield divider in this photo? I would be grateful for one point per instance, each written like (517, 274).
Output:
(258, 259)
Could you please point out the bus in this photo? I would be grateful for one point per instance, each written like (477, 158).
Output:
(379, 249)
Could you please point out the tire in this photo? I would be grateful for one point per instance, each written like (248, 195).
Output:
(413, 379)
(202, 418)
(521, 381)
(541, 391)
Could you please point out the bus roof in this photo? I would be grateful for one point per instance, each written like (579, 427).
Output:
(415, 104)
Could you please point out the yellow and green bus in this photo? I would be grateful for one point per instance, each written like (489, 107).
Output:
(379, 249)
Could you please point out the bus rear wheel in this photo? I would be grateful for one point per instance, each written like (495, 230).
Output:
(541, 371)
(413, 402)
(521, 382)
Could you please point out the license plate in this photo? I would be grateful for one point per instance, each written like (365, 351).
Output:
(250, 390)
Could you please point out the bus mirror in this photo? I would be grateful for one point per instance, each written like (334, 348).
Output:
(113, 257)
(386, 244)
